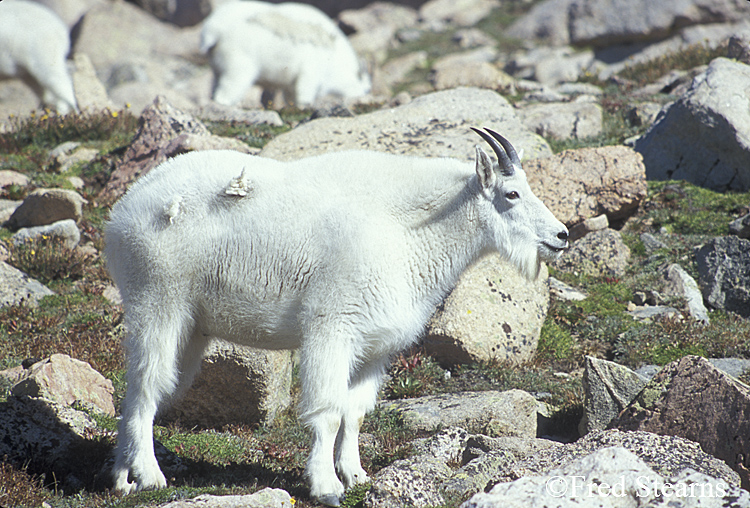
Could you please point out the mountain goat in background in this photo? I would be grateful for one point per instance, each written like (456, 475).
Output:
(34, 43)
(344, 255)
(290, 47)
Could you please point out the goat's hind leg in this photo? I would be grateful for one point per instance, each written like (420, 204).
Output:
(363, 391)
(152, 378)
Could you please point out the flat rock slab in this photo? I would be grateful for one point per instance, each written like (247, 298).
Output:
(510, 413)
(433, 125)
(611, 477)
(265, 498)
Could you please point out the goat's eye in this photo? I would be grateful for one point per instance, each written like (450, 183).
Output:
(512, 195)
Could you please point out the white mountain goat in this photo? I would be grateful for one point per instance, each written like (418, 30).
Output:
(34, 43)
(290, 47)
(344, 255)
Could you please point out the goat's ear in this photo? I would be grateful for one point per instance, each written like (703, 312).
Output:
(485, 170)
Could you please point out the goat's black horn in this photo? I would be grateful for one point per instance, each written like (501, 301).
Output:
(506, 154)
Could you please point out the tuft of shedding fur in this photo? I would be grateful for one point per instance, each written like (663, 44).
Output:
(343, 255)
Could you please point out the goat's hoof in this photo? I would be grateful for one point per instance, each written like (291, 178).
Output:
(329, 500)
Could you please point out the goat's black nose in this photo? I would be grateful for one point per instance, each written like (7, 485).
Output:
(563, 235)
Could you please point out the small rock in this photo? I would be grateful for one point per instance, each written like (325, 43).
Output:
(9, 177)
(654, 312)
(45, 206)
(686, 287)
(601, 253)
(64, 230)
(740, 227)
(66, 380)
(587, 226)
(651, 242)
(17, 288)
(563, 291)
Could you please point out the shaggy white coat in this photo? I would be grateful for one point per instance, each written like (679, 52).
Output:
(344, 255)
(34, 43)
(290, 47)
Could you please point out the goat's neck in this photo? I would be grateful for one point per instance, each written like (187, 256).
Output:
(449, 243)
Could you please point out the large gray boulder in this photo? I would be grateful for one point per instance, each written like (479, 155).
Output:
(724, 269)
(703, 137)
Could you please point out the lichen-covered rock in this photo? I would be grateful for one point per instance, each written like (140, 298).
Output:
(608, 389)
(265, 498)
(493, 313)
(667, 455)
(614, 477)
(42, 437)
(600, 253)
(693, 399)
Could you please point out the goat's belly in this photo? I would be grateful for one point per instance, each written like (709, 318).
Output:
(251, 322)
